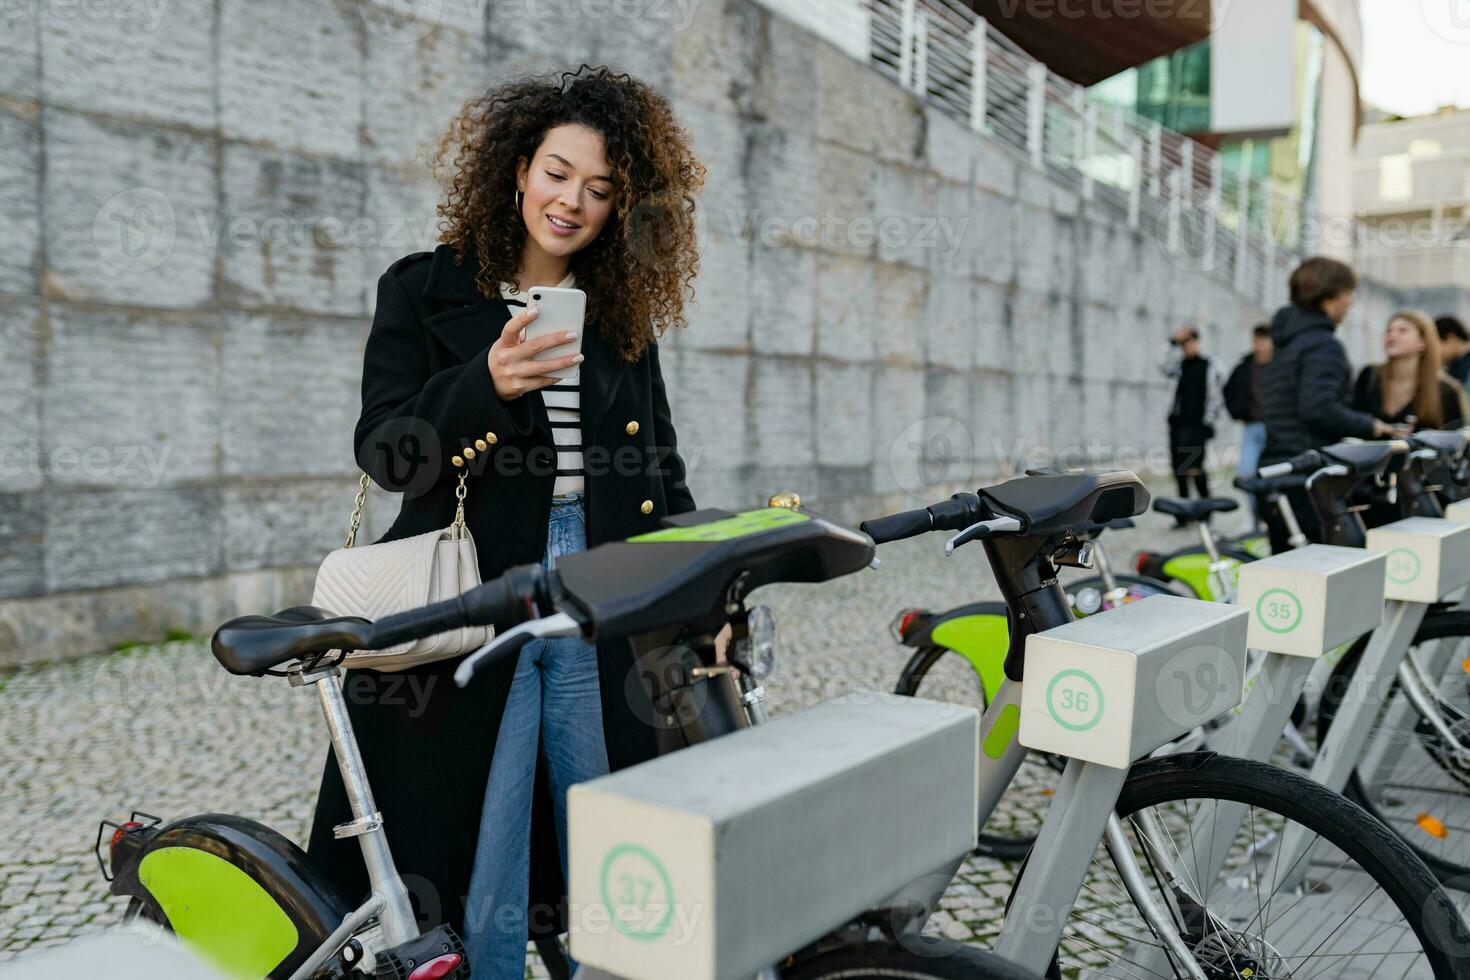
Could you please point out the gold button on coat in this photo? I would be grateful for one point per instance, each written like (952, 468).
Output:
(481, 445)
(490, 438)
(457, 460)
(646, 506)
(469, 453)
(632, 428)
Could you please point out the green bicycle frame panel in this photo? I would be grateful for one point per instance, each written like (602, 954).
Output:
(1257, 546)
(983, 641)
(1193, 569)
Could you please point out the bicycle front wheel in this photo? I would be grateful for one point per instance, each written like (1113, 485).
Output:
(1419, 783)
(915, 958)
(1365, 905)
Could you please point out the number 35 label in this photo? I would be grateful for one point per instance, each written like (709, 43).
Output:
(1074, 700)
(1279, 611)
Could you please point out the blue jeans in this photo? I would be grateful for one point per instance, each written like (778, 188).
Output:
(554, 708)
(1252, 443)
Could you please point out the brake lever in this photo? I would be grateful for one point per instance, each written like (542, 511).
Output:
(557, 624)
(1336, 469)
(981, 529)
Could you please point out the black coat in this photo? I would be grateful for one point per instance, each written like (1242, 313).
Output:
(1240, 396)
(1368, 397)
(1307, 389)
(427, 395)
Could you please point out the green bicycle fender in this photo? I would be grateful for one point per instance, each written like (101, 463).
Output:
(1193, 569)
(983, 641)
(1258, 546)
(218, 910)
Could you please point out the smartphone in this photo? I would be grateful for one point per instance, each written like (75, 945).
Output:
(561, 310)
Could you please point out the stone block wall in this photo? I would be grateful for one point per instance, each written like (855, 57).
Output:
(197, 200)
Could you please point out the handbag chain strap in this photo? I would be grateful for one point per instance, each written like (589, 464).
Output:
(459, 494)
(357, 506)
(458, 526)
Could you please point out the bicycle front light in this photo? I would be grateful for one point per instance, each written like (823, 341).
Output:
(758, 653)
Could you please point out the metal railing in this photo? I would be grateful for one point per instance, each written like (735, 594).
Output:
(1205, 216)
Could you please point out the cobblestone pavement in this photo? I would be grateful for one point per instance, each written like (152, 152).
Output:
(165, 729)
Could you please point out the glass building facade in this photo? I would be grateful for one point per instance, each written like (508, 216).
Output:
(1174, 91)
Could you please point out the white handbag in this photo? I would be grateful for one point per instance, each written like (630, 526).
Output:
(378, 580)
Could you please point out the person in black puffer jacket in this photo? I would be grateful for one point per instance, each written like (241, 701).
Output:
(1306, 393)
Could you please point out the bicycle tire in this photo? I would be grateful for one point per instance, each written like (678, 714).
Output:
(1388, 861)
(914, 958)
(1000, 847)
(1439, 625)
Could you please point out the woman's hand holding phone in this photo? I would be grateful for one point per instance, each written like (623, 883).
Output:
(510, 359)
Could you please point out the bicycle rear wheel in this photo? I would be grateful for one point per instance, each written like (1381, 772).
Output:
(1367, 905)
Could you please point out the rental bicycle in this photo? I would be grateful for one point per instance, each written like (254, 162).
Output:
(1140, 888)
(250, 900)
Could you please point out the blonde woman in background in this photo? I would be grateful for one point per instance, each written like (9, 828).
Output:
(1410, 389)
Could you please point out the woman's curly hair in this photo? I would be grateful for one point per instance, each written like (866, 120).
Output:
(637, 272)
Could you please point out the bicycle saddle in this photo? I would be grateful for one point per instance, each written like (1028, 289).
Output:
(1447, 443)
(688, 573)
(1053, 504)
(252, 645)
(1264, 485)
(1363, 458)
(1195, 510)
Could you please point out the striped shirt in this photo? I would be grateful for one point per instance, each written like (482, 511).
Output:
(563, 410)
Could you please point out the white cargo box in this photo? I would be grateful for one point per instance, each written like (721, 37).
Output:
(1458, 511)
(716, 861)
(1113, 687)
(1310, 600)
(1427, 557)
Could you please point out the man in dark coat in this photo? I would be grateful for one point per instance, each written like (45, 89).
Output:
(427, 745)
(1243, 401)
(1307, 390)
(1192, 412)
(1454, 348)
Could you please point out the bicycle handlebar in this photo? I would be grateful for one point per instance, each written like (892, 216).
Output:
(955, 514)
(1299, 465)
(511, 598)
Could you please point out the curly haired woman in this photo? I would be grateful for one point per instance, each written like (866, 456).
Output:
(584, 179)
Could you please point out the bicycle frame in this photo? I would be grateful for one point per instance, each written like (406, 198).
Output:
(388, 901)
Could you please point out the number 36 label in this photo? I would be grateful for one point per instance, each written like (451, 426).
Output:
(1074, 700)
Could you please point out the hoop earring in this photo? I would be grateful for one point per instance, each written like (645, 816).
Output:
(519, 197)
